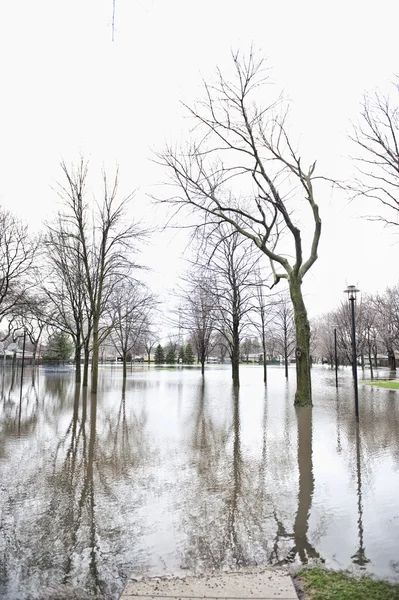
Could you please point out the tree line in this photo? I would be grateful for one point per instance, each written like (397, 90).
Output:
(251, 202)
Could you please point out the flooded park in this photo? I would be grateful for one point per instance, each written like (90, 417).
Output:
(178, 473)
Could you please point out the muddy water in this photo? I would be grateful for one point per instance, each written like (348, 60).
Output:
(178, 474)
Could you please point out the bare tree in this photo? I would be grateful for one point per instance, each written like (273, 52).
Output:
(284, 329)
(263, 305)
(33, 320)
(197, 313)
(150, 338)
(324, 340)
(131, 306)
(104, 243)
(17, 261)
(230, 265)
(246, 147)
(344, 331)
(386, 309)
(65, 286)
(377, 140)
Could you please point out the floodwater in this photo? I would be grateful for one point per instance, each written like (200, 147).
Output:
(180, 474)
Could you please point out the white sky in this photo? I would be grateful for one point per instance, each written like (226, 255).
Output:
(68, 89)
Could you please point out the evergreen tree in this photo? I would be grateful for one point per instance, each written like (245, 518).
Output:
(181, 358)
(189, 355)
(59, 347)
(159, 357)
(170, 356)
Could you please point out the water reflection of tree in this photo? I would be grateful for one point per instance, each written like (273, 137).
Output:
(79, 532)
(301, 547)
(88, 469)
(238, 516)
(20, 408)
(228, 522)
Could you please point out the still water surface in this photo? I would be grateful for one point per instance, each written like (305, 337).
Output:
(179, 473)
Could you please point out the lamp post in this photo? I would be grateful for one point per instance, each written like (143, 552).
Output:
(351, 291)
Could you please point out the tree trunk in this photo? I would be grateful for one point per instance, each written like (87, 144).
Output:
(124, 358)
(303, 394)
(371, 365)
(235, 356)
(86, 365)
(77, 361)
(264, 361)
(94, 357)
(391, 360)
(286, 361)
(202, 359)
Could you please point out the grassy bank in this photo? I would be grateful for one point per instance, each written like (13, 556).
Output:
(321, 584)
(390, 385)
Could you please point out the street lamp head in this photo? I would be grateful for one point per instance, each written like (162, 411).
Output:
(351, 291)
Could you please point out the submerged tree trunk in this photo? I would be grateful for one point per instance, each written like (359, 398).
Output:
(235, 369)
(77, 359)
(303, 395)
(286, 360)
(235, 356)
(124, 357)
(391, 360)
(202, 359)
(94, 357)
(371, 365)
(86, 365)
(264, 361)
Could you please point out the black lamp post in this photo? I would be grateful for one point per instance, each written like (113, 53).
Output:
(351, 291)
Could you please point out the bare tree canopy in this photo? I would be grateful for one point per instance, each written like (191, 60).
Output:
(377, 140)
(17, 253)
(241, 168)
(103, 242)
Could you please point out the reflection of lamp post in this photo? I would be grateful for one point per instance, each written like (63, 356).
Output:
(351, 291)
(359, 557)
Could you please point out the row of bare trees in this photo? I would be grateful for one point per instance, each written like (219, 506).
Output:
(80, 277)
(224, 303)
(377, 331)
(244, 189)
(93, 281)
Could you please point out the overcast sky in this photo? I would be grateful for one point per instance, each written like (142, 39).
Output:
(68, 89)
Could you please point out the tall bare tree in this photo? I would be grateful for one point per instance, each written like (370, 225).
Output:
(104, 240)
(243, 169)
(65, 287)
(230, 264)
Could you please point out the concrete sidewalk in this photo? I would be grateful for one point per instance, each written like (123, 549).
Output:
(271, 584)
